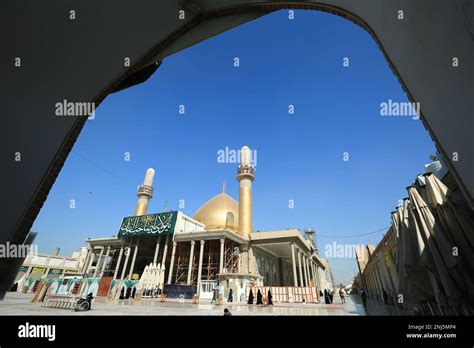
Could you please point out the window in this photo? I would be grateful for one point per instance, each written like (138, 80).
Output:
(229, 219)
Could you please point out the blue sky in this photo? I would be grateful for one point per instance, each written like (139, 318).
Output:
(300, 156)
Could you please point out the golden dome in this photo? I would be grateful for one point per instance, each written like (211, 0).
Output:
(221, 211)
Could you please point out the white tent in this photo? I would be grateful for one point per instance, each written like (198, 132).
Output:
(413, 277)
(143, 280)
(457, 221)
(437, 255)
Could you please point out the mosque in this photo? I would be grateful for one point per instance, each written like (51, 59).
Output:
(217, 247)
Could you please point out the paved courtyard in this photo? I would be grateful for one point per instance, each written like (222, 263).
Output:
(20, 304)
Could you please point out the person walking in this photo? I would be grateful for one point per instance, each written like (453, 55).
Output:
(385, 296)
(341, 294)
(250, 301)
(326, 297)
(330, 293)
(270, 302)
(231, 296)
(214, 295)
(259, 297)
(363, 296)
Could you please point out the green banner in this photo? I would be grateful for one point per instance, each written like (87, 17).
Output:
(152, 224)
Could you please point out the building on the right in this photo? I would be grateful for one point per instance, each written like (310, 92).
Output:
(424, 264)
(325, 275)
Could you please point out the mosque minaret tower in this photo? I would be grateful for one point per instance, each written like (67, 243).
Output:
(145, 192)
(245, 176)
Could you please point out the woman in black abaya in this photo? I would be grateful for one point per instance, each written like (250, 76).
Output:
(250, 297)
(259, 298)
(269, 297)
(326, 297)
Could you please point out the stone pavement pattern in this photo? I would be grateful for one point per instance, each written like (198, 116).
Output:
(19, 304)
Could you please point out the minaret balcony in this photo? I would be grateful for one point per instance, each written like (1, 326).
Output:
(245, 171)
(145, 191)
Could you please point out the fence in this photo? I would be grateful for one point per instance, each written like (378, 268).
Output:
(60, 301)
(291, 294)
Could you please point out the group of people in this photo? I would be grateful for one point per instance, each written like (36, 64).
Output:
(215, 294)
(251, 298)
(328, 296)
(260, 297)
(230, 298)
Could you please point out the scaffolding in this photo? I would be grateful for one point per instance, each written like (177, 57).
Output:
(212, 260)
(231, 257)
(182, 262)
(210, 263)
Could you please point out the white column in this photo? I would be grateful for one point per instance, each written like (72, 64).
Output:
(190, 264)
(64, 267)
(98, 263)
(316, 278)
(127, 255)
(312, 272)
(132, 265)
(90, 261)
(117, 266)
(305, 274)
(105, 262)
(165, 250)
(322, 276)
(157, 249)
(86, 261)
(221, 256)
(48, 260)
(201, 253)
(173, 252)
(316, 274)
(307, 271)
(295, 276)
(300, 269)
(320, 279)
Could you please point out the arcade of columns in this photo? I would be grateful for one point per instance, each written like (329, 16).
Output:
(305, 271)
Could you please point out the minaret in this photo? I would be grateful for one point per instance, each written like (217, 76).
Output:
(245, 176)
(311, 237)
(145, 192)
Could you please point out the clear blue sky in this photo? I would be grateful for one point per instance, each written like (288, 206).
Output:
(300, 156)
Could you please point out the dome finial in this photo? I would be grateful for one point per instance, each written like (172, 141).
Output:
(223, 186)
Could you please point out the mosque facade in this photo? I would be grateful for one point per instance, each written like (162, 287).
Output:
(180, 256)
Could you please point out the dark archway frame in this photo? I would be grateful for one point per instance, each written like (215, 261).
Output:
(142, 69)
